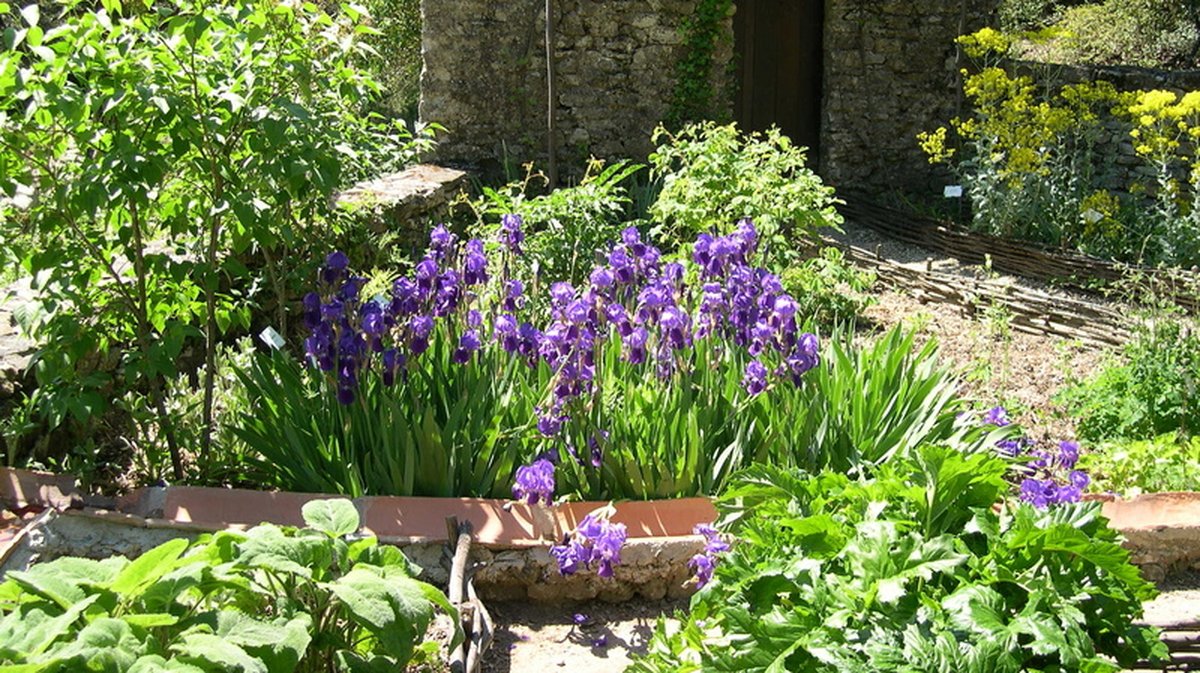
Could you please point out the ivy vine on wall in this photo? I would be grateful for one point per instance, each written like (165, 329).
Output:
(695, 97)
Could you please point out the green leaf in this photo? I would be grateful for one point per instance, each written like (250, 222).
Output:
(148, 568)
(335, 517)
(212, 651)
(395, 610)
(150, 619)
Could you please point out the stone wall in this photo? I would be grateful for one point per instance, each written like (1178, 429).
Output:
(891, 71)
(485, 76)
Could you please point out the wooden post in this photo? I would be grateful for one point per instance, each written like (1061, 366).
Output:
(551, 97)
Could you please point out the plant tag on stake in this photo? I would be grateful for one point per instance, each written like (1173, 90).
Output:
(952, 192)
(271, 338)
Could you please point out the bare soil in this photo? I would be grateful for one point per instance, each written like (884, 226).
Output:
(998, 365)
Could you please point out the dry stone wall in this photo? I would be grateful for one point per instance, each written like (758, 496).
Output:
(485, 76)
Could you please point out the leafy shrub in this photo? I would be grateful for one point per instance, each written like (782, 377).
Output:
(1151, 390)
(1021, 15)
(270, 599)
(1149, 33)
(567, 229)
(1166, 463)
(910, 570)
(830, 290)
(1031, 165)
(151, 150)
(715, 175)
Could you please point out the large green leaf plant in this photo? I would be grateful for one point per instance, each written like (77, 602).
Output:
(911, 570)
(270, 600)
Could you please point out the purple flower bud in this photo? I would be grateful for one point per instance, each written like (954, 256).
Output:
(345, 395)
(510, 232)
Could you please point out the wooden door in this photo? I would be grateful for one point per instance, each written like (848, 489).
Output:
(779, 51)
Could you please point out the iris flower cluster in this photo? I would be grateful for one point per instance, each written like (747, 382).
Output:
(350, 335)
(704, 563)
(1050, 477)
(595, 541)
(655, 311)
(658, 316)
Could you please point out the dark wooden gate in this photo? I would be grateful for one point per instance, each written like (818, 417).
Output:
(779, 51)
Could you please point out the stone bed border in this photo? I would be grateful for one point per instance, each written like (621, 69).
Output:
(510, 550)
(511, 540)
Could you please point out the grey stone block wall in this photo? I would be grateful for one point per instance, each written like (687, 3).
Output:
(485, 76)
(891, 71)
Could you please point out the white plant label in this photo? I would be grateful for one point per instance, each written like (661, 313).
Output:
(952, 192)
(1092, 216)
(271, 338)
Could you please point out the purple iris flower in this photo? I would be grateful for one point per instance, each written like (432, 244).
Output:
(602, 278)
(997, 416)
(440, 240)
(510, 232)
(561, 292)
(635, 345)
(514, 296)
(755, 378)
(535, 482)
(1068, 454)
(312, 310)
(475, 266)
(468, 343)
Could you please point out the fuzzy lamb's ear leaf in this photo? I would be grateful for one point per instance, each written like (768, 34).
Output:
(335, 518)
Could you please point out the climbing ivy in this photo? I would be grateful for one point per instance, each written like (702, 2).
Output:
(694, 98)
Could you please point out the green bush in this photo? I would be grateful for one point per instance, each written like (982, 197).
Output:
(910, 570)
(1022, 15)
(566, 229)
(227, 462)
(150, 151)
(1149, 391)
(830, 290)
(449, 430)
(712, 176)
(866, 405)
(270, 600)
(1149, 33)
(1165, 463)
